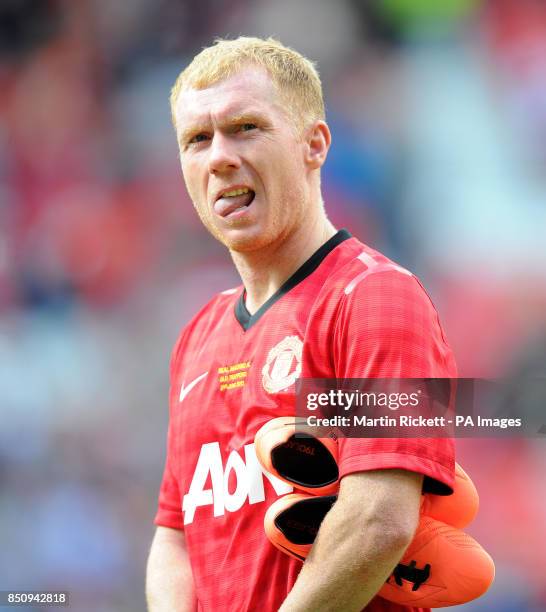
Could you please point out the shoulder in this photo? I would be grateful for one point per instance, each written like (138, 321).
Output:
(373, 317)
(365, 278)
(382, 297)
(205, 320)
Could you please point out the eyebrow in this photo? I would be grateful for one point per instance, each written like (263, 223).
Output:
(236, 118)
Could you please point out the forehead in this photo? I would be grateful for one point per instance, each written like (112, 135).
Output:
(249, 90)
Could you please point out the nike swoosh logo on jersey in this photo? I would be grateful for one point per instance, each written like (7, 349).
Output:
(184, 390)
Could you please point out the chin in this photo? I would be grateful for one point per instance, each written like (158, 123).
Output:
(246, 240)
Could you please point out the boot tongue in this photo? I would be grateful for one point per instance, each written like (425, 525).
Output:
(224, 206)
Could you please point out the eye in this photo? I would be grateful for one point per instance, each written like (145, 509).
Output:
(198, 138)
(246, 127)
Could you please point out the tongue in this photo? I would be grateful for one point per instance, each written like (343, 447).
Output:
(225, 206)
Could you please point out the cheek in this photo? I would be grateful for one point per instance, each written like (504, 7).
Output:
(191, 178)
(285, 168)
(291, 176)
(293, 160)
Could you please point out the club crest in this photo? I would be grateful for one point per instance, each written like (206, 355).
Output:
(283, 365)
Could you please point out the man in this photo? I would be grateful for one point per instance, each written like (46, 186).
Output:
(315, 302)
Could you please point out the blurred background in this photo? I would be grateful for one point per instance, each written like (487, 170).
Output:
(438, 114)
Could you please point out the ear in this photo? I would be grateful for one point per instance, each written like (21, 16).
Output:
(317, 140)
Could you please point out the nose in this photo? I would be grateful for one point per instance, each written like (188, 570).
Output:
(223, 155)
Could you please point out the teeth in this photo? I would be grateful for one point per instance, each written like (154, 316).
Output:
(235, 192)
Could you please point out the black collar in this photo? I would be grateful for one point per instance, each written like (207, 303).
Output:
(247, 320)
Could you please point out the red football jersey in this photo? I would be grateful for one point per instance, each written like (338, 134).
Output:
(347, 312)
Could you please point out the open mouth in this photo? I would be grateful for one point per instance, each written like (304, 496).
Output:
(234, 201)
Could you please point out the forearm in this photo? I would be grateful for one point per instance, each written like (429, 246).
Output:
(169, 581)
(357, 547)
(345, 577)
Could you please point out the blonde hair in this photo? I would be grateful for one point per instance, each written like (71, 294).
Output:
(294, 76)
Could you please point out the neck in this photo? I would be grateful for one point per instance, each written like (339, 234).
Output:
(263, 272)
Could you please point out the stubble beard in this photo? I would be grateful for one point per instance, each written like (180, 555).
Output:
(251, 239)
